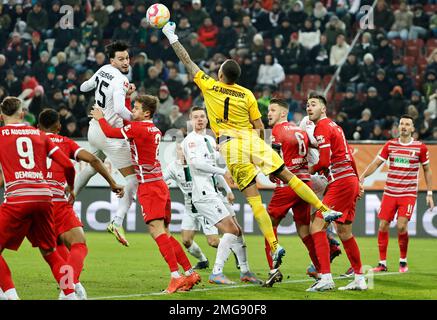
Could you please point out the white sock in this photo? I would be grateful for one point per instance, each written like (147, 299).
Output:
(403, 260)
(12, 294)
(124, 204)
(82, 178)
(359, 277)
(327, 277)
(384, 262)
(196, 252)
(239, 248)
(223, 252)
(189, 272)
(175, 274)
(2, 295)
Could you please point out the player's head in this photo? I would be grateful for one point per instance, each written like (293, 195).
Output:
(406, 126)
(11, 108)
(229, 71)
(198, 118)
(316, 106)
(144, 107)
(278, 111)
(118, 55)
(49, 121)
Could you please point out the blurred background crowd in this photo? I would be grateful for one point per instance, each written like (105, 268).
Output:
(285, 48)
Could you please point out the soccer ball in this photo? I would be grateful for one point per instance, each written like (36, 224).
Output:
(157, 15)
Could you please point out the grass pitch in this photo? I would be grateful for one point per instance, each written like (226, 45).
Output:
(112, 271)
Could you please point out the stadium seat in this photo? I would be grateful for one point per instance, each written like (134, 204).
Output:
(431, 45)
(311, 78)
(419, 43)
(430, 8)
(409, 62)
(413, 50)
(398, 45)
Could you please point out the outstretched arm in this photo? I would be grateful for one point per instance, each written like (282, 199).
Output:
(371, 168)
(109, 131)
(169, 31)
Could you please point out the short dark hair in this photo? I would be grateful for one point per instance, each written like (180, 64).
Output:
(318, 96)
(197, 108)
(279, 102)
(48, 118)
(10, 105)
(406, 116)
(113, 47)
(231, 70)
(148, 103)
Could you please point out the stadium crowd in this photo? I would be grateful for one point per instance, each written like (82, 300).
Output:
(285, 48)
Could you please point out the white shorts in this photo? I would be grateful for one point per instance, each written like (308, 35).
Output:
(212, 209)
(117, 150)
(194, 221)
(319, 184)
(227, 204)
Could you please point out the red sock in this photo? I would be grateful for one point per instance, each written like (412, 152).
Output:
(403, 244)
(321, 246)
(63, 251)
(353, 254)
(167, 251)
(181, 257)
(267, 249)
(77, 255)
(309, 243)
(383, 244)
(57, 265)
(6, 282)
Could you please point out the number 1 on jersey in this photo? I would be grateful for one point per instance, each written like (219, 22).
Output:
(226, 109)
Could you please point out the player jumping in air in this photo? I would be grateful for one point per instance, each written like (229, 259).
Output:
(404, 156)
(233, 115)
(153, 193)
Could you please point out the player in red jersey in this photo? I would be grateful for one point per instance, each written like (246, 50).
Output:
(292, 143)
(338, 165)
(27, 208)
(68, 227)
(153, 193)
(404, 155)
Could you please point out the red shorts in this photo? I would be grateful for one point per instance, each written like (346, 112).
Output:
(341, 195)
(154, 198)
(33, 220)
(65, 218)
(404, 206)
(284, 199)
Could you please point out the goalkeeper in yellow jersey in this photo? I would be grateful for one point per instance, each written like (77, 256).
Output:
(233, 115)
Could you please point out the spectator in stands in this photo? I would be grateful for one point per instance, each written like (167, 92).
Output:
(75, 54)
(154, 47)
(338, 51)
(62, 67)
(374, 103)
(433, 136)
(293, 105)
(29, 83)
(296, 57)
(11, 83)
(14, 47)
(208, 33)
(166, 101)
(20, 68)
(365, 46)
(238, 13)
(227, 37)
(139, 69)
(377, 133)
(403, 81)
(396, 106)
(100, 15)
(57, 100)
(257, 48)
(40, 67)
(367, 72)
(297, 15)
(76, 103)
(177, 13)
(384, 53)
(95, 58)
(417, 101)
(263, 103)
(260, 16)
(161, 122)
(175, 83)
(429, 84)
(177, 119)
(433, 24)
(393, 67)
(54, 16)
(5, 23)
(3, 67)
(432, 105)
(124, 32)
(218, 13)
(51, 83)
(333, 29)
(117, 16)
(364, 126)
(35, 47)
(153, 82)
(71, 129)
(275, 18)
(309, 37)
(285, 29)
(90, 30)
(350, 73)
(420, 25)
(425, 125)
(249, 72)
(197, 14)
(319, 58)
(39, 101)
(245, 38)
(270, 73)
(348, 126)
(3, 93)
(413, 113)
(37, 18)
(184, 31)
(350, 105)
(186, 101)
(432, 61)
(320, 16)
(383, 17)
(196, 50)
(402, 23)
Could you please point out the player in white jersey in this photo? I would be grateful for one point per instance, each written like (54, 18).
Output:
(201, 155)
(111, 86)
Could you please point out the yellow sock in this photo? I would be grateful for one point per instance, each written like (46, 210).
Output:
(306, 194)
(264, 222)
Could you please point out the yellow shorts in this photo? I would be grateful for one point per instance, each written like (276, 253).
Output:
(245, 157)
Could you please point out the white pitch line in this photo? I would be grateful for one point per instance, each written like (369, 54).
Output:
(219, 287)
